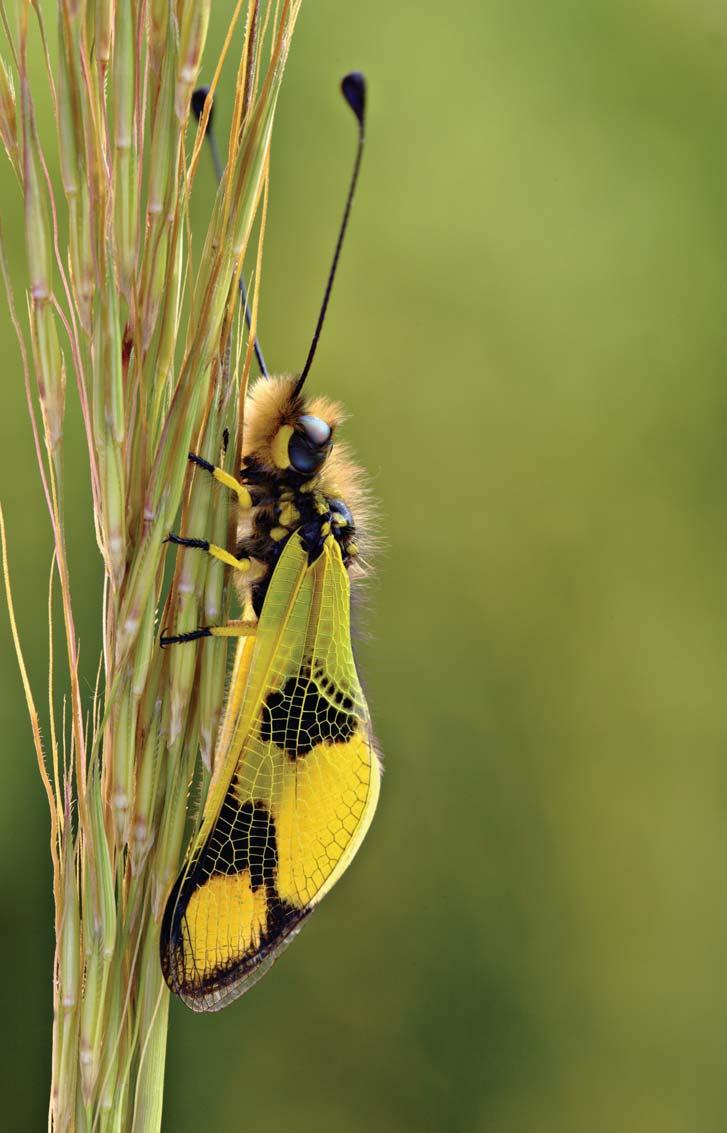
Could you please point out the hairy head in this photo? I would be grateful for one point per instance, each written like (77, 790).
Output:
(286, 433)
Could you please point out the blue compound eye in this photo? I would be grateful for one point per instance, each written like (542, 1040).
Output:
(316, 431)
(309, 445)
(302, 456)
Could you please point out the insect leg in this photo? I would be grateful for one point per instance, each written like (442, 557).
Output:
(243, 496)
(243, 564)
(229, 629)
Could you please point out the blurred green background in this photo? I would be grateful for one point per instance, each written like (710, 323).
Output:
(529, 329)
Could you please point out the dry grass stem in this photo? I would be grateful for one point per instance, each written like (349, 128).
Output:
(111, 275)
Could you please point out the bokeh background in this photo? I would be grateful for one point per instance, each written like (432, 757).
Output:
(529, 329)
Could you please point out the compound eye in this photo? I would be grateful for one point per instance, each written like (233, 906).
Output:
(316, 431)
(303, 456)
(309, 444)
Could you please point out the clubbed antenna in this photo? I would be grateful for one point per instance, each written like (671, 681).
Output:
(353, 88)
(199, 97)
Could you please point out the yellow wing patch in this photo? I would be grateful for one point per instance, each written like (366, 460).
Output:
(223, 911)
(322, 803)
(295, 787)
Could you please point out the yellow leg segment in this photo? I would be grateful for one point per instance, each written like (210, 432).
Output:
(229, 559)
(234, 629)
(245, 564)
(243, 496)
(229, 629)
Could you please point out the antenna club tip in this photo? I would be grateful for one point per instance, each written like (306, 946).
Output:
(199, 97)
(353, 88)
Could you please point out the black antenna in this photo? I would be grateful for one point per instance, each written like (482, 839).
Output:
(353, 88)
(199, 98)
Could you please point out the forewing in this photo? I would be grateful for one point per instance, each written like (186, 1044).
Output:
(294, 790)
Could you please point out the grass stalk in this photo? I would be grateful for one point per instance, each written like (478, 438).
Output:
(159, 355)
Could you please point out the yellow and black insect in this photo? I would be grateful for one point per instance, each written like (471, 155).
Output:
(296, 775)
